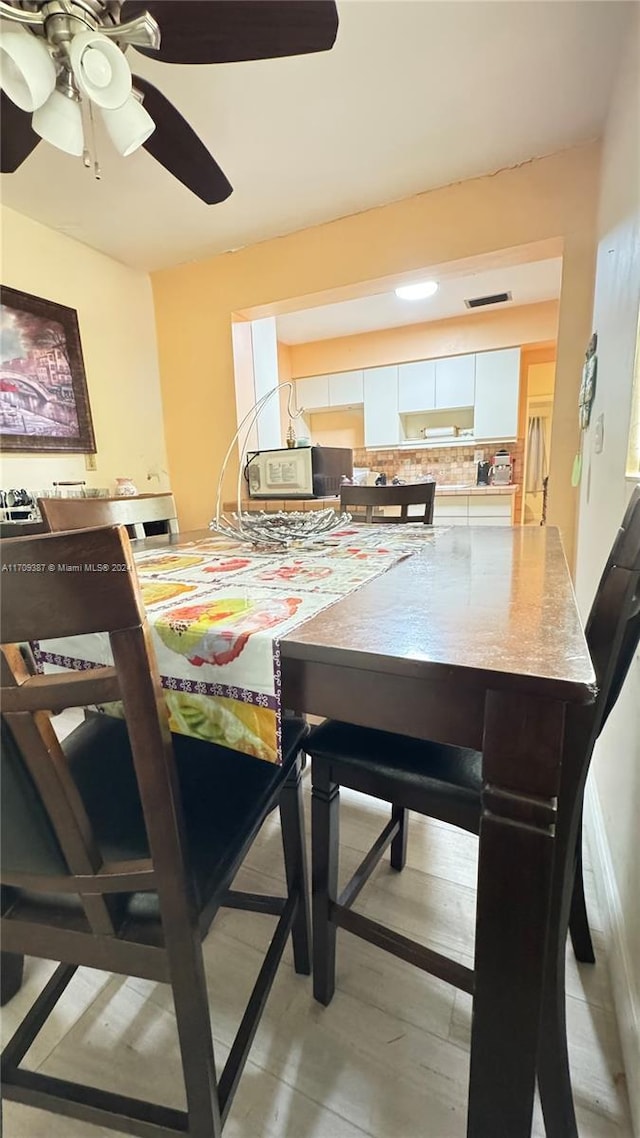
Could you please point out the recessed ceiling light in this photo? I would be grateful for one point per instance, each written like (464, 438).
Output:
(418, 291)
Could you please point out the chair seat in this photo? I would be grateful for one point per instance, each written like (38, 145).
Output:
(226, 796)
(403, 770)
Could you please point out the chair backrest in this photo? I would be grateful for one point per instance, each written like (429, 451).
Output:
(613, 626)
(613, 635)
(377, 497)
(21, 529)
(82, 513)
(57, 851)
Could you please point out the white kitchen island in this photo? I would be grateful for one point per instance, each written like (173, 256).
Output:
(475, 505)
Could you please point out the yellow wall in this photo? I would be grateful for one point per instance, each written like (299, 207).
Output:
(337, 428)
(531, 358)
(477, 332)
(545, 199)
(117, 331)
(537, 387)
(541, 381)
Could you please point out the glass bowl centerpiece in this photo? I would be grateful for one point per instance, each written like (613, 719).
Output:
(272, 531)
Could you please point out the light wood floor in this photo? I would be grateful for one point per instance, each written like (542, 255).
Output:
(388, 1058)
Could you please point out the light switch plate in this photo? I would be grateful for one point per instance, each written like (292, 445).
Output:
(598, 436)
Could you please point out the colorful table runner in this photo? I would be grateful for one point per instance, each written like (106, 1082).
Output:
(217, 610)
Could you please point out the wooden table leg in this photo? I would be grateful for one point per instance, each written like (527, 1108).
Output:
(522, 753)
(295, 863)
(325, 821)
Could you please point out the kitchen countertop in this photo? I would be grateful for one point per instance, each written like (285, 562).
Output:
(464, 490)
(442, 490)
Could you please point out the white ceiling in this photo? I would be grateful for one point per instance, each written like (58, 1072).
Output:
(415, 94)
(528, 284)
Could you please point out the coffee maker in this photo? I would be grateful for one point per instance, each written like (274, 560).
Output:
(501, 473)
(482, 476)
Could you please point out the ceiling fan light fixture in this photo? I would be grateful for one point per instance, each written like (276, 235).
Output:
(27, 71)
(100, 70)
(128, 126)
(59, 121)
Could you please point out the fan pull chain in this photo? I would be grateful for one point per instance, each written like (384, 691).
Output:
(86, 156)
(90, 152)
(97, 172)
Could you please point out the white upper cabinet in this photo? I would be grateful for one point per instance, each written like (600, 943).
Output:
(497, 394)
(417, 386)
(381, 418)
(489, 382)
(313, 393)
(455, 382)
(346, 388)
(341, 389)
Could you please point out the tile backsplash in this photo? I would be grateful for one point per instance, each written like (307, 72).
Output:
(450, 466)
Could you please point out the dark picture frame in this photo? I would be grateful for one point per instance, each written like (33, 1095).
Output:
(44, 401)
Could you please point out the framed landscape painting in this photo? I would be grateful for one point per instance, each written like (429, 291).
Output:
(44, 403)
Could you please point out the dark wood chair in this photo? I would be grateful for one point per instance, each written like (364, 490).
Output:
(21, 529)
(445, 782)
(368, 499)
(144, 515)
(120, 845)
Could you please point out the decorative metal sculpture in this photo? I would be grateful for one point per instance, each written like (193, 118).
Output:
(585, 401)
(588, 384)
(274, 531)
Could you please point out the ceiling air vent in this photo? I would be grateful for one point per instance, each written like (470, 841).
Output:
(481, 301)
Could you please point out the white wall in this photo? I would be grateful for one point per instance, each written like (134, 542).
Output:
(614, 815)
(245, 384)
(118, 336)
(257, 359)
(265, 372)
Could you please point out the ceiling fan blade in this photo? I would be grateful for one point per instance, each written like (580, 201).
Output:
(17, 138)
(176, 146)
(229, 31)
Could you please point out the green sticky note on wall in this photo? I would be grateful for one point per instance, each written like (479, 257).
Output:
(576, 470)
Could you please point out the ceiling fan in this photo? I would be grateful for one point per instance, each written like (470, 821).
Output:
(62, 58)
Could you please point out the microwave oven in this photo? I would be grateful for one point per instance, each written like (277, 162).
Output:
(298, 472)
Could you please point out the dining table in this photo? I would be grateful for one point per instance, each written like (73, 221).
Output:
(467, 636)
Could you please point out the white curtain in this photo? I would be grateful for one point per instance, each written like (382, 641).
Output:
(536, 455)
